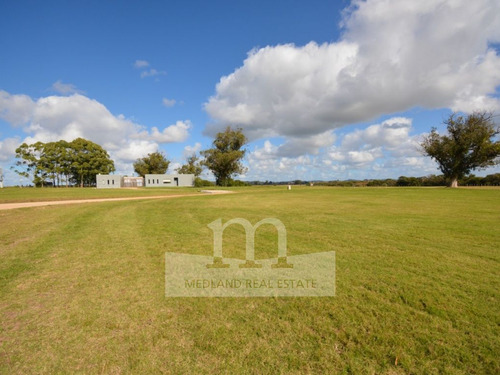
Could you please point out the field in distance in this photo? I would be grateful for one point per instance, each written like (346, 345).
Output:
(417, 284)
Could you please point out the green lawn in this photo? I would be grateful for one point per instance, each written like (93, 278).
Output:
(418, 285)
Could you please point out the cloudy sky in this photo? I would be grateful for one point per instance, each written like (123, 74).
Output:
(323, 89)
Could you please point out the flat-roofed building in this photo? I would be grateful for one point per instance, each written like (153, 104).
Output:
(109, 181)
(165, 180)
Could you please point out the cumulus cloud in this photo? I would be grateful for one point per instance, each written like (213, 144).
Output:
(177, 132)
(8, 148)
(68, 117)
(392, 133)
(16, 109)
(393, 55)
(378, 151)
(134, 149)
(390, 139)
(191, 150)
(296, 146)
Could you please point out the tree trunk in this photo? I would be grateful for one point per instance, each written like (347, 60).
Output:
(454, 182)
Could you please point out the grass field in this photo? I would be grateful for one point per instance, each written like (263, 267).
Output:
(418, 285)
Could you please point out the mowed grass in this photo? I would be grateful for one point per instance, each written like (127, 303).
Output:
(418, 286)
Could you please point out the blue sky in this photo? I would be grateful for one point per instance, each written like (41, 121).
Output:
(323, 89)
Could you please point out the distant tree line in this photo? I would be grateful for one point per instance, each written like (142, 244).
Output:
(431, 180)
(62, 163)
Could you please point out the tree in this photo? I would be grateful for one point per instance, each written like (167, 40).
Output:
(468, 146)
(224, 159)
(87, 160)
(79, 160)
(29, 163)
(191, 167)
(155, 163)
(55, 160)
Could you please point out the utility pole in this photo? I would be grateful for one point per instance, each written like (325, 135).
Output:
(1, 178)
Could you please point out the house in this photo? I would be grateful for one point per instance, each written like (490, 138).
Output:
(110, 181)
(159, 180)
(151, 180)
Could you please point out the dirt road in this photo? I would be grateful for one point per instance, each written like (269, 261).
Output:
(11, 206)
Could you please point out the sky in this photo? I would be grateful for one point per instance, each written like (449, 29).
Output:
(324, 90)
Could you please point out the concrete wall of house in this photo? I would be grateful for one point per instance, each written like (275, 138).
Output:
(109, 181)
(163, 180)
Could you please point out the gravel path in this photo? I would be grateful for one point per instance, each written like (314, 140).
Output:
(11, 206)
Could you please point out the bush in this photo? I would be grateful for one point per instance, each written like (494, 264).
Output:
(198, 182)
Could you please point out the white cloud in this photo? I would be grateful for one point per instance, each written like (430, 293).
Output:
(393, 55)
(135, 149)
(296, 146)
(390, 139)
(8, 148)
(15, 109)
(139, 64)
(191, 150)
(177, 132)
(65, 88)
(391, 133)
(282, 90)
(173, 166)
(378, 151)
(168, 102)
(67, 117)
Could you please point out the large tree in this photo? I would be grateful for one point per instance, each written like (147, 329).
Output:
(87, 160)
(469, 145)
(192, 166)
(79, 160)
(224, 159)
(154, 163)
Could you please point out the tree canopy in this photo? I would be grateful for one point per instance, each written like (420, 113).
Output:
(89, 159)
(154, 163)
(224, 159)
(192, 166)
(469, 145)
(77, 162)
